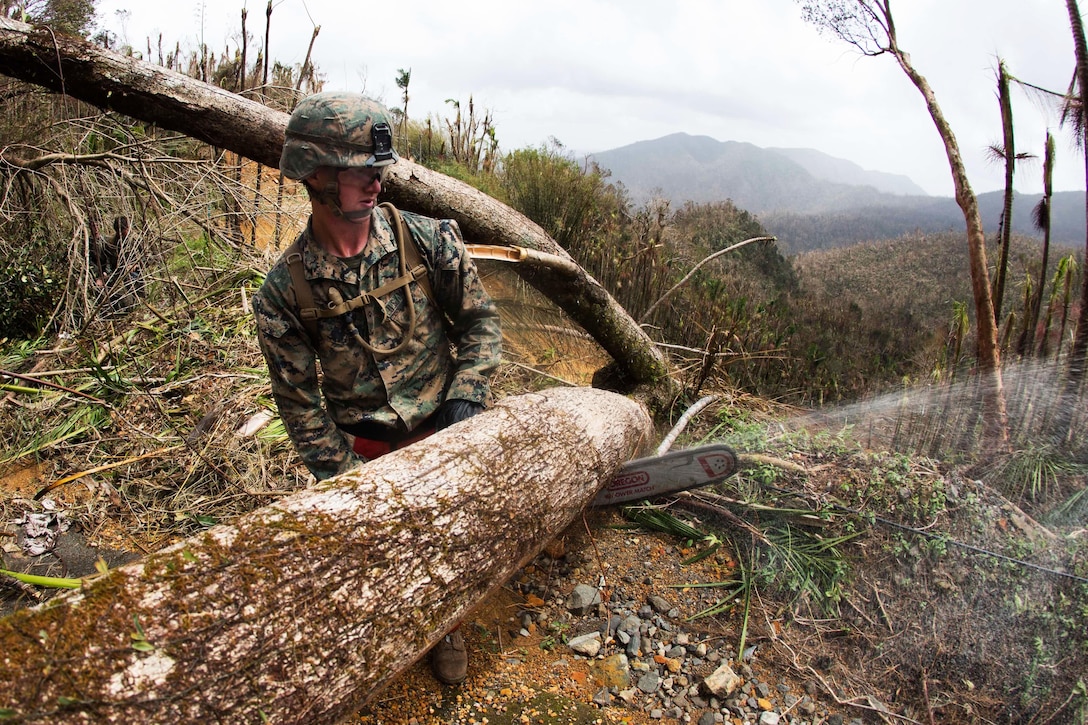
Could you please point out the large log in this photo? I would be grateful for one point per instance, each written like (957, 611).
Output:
(301, 610)
(175, 101)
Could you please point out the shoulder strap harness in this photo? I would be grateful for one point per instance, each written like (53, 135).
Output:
(412, 269)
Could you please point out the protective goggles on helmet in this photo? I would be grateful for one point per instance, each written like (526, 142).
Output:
(365, 175)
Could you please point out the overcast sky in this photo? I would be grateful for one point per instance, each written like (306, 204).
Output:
(599, 74)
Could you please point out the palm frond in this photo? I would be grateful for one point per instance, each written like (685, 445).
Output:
(1040, 215)
(83, 419)
(1054, 105)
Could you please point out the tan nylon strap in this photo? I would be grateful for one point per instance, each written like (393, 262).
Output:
(410, 251)
(304, 296)
(334, 310)
(309, 313)
(413, 259)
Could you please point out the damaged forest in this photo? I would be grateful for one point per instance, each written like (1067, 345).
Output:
(879, 557)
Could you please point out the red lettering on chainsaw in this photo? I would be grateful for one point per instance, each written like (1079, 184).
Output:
(629, 480)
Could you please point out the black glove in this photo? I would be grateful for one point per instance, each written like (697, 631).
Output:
(454, 411)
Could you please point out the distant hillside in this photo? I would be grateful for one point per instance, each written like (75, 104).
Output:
(917, 275)
(874, 314)
(682, 168)
(799, 232)
(810, 200)
(841, 171)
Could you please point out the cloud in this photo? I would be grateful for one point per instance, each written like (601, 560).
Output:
(599, 74)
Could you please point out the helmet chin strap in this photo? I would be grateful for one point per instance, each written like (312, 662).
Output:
(330, 196)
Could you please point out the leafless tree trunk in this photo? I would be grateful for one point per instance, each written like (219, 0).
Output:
(299, 611)
(1042, 223)
(1080, 341)
(1008, 154)
(220, 118)
(870, 27)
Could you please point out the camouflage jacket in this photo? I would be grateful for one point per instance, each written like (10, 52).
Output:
(399, 390)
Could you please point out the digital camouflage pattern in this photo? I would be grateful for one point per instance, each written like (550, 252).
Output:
(400, 390)
(334, 129)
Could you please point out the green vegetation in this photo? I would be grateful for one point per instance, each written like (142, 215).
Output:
(820, 328)
(146, 407)
(817, 329)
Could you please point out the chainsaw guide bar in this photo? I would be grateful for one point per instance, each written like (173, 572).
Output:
(671, 472)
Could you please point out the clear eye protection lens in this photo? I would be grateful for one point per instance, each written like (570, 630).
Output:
(364, 176)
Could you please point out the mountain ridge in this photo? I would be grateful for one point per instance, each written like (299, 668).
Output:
(809, 199)
(702, 169)
(831, 168)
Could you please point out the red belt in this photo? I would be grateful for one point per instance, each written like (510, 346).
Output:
(370, 449)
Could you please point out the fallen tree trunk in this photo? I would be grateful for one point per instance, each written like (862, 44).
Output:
(151, 93)
(301, 610)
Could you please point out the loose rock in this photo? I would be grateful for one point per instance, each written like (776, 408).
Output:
(659, 603)
(583, 600)
(586, 644)
(723, 681)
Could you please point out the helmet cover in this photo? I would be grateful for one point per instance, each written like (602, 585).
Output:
(337, 129)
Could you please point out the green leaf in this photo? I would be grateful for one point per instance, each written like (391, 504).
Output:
(53, 582)
(143, 646)
(702, 554)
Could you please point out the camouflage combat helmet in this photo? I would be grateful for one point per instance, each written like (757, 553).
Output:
(336, 129)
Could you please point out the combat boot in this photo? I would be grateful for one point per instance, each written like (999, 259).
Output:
(449, 659)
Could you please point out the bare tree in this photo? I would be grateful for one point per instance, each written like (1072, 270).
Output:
(1006, 153)
(1080, 341)
(1041, 218)
(869, 26)
(404, 78)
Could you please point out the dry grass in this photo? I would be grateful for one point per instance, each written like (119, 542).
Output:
(176, 387)
(133, 424)
(140, 418)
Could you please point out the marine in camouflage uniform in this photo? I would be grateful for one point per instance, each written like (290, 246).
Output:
(360, 385)
(372, 385)
(399, 356)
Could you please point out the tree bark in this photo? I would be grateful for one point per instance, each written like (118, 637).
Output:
(299, 611)
(988, 351)
(995, 411)
(1079, 354)
(1009, 151)
(218, 117)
